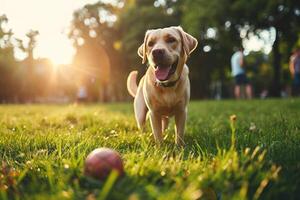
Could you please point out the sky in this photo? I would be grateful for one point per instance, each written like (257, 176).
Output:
(51, 18)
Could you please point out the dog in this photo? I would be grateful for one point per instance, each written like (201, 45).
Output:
(164, 90)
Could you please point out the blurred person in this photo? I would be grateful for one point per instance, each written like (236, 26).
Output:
(82, 94)
(294, 66)
(239, 74)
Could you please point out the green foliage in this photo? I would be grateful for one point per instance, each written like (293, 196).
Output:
(43, 149)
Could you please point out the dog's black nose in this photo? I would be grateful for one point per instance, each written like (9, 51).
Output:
(158, 53)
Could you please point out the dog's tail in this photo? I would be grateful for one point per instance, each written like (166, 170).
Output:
(131, 83)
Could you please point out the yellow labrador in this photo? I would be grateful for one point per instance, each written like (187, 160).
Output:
(164, 90)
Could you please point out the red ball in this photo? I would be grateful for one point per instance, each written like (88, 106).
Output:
(100, 162)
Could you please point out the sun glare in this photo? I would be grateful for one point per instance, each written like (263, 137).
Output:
(59, 51)
(52, 41)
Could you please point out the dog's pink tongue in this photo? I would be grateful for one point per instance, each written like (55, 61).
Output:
(162, 73)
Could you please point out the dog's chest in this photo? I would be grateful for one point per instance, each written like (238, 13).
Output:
(167, 99)
(164, 100)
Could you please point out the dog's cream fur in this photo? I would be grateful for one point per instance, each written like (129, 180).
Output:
(150, 96)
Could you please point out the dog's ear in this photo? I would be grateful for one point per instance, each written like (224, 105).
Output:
(142, 50)
(189, 43)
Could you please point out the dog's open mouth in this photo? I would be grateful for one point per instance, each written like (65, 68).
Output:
(163, 73)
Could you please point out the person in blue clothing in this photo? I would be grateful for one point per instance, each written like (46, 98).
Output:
(239, 74)
(295, 71)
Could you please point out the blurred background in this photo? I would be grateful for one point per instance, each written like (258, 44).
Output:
(65, 51)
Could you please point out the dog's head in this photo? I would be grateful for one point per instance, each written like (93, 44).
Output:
(166, 50)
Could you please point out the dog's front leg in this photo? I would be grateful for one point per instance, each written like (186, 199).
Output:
(180, 119)
(165, 123)
(155, 120)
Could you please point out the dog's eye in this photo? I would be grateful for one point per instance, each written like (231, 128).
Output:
(150, 44)
(170, 40)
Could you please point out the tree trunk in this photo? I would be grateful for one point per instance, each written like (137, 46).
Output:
(276, 83)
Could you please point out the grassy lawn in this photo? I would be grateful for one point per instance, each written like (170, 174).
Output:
(43, 147)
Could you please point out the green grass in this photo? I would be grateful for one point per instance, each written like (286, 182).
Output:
(43, 148)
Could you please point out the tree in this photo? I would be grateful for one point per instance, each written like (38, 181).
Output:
(8, 65)
(253, 16)
(28, 83)
(284, 17)
(96, 41)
